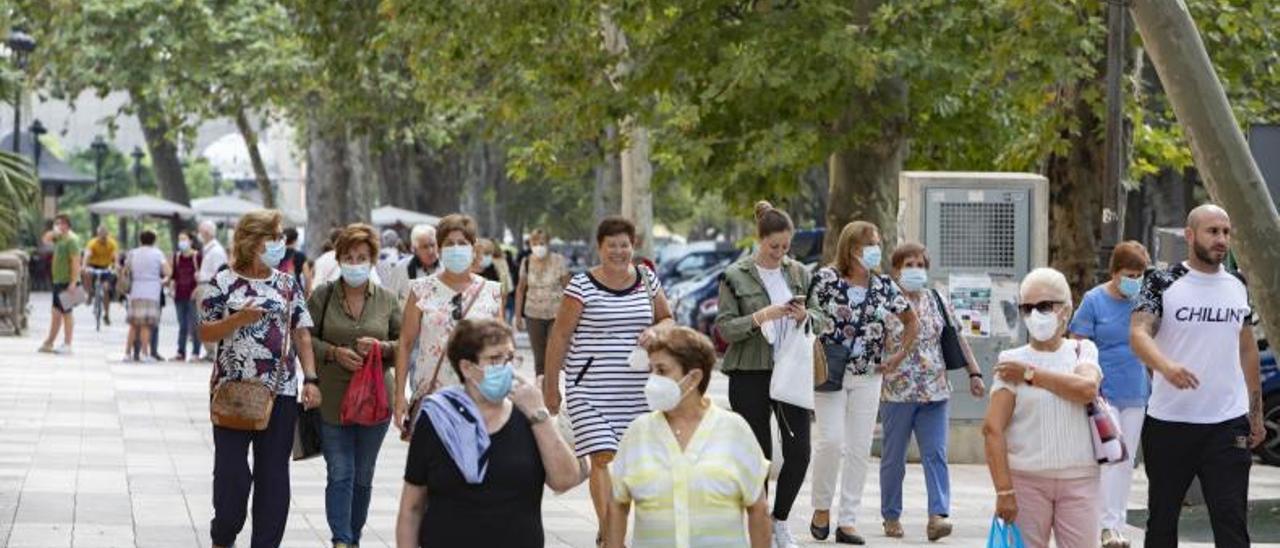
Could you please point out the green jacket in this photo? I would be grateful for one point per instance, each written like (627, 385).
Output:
(741, 294)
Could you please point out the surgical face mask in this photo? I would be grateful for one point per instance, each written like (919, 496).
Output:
(355, 275)
(1042, 326)
(457, 258)
(540, 251)
(497, 381)
(871, 257)
(662, 393)
(638, 360)
(274, 253)
(1129, 287)
(486, 262)
(913, 279)
(184, 245)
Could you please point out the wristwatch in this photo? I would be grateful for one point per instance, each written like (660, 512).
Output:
(1029, 375)
(540, 416)
(311, 380)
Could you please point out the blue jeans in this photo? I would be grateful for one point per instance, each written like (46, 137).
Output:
(350, 452)
(187, 327)
(928, 420)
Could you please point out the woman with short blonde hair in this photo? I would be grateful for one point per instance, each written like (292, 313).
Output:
(258, 317)
(1038, 444)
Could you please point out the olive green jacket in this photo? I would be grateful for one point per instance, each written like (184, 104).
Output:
(742, 293)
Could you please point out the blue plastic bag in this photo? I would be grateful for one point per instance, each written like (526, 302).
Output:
(1004, 535)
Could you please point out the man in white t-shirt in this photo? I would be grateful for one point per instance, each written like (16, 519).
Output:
(1191, 326)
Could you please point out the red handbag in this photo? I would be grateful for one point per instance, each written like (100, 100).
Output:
(365, 402)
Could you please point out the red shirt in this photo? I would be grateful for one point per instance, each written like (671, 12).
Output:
(184, 275)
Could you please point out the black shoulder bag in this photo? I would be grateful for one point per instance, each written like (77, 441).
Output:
(952, 352)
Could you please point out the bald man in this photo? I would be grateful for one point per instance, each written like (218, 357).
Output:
(1192, 326)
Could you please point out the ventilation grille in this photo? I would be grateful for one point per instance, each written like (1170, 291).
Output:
(977, 235)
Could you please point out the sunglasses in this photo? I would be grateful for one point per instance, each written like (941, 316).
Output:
(456, 304)
(1043, 307)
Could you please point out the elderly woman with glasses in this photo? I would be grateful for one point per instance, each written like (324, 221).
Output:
(435, 305)
(1038, 439)
(483, 451)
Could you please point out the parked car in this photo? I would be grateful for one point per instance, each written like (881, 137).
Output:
(806, 245)
(1269, 451)
(695, 263)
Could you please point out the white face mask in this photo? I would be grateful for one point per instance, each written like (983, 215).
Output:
(539, 251)
(1042, 326)
(639, 359)
(662, 393)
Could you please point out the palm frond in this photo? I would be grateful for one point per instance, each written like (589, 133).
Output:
(18, 189)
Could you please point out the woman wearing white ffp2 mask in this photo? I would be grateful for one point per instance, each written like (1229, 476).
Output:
(717, 464)
(1039, 446)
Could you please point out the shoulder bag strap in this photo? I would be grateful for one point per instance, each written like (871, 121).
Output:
(479, 287)
(324, 310)
(942, 308)
(648, 290)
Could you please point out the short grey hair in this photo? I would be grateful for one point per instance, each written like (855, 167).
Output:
(421, 231)
(1047, 278)
(208, 227)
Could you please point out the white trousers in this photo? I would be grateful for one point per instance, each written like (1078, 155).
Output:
(1118, 478)
(846, 421)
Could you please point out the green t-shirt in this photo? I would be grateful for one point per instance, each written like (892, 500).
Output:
(64, 249)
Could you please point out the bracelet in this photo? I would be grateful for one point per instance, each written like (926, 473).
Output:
(311, 380)
(1005, 493)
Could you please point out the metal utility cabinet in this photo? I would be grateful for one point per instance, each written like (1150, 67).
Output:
(984, 232)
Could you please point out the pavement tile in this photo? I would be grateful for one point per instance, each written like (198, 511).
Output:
(40, 535)
(104, 509)
(102, 536)
(45, 507)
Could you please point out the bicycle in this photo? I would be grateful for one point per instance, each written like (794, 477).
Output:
(99, 278)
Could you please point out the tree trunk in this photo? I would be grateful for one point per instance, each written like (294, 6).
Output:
(863, 180)
(165, 163)
(606, 195)
(337, 192)
(255, 157)
(637, 190)
(1075, 194)
(1217, 144)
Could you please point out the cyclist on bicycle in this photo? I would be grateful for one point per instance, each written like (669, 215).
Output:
(100, 255)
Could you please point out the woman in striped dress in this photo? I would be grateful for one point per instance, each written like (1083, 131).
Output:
(609, 311)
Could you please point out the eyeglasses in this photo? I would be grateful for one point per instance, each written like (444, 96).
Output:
(512, 359)
(1043, 307)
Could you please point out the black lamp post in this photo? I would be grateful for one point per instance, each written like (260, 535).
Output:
(99, 148)
(216, 174)
(21, 45)
(137, 155)
(37, 129)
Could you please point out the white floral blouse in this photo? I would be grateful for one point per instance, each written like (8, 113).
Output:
(439, 304)
(922, 377)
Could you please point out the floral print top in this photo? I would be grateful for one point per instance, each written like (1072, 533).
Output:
(544, 286)
(438, 301)
(256, 350)
(857, 315)
(922, 376)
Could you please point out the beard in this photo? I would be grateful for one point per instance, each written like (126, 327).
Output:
(1206, 255)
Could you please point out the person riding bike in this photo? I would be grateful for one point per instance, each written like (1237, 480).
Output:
(100, 258)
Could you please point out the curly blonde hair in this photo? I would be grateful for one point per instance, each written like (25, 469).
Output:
(254, 227)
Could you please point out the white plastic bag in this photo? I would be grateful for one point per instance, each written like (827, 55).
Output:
(792, 380)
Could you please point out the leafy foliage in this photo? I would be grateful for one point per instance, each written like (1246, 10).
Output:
(17, 189)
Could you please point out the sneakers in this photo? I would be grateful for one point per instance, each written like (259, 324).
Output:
(149, 359)
(938, 527)
(45, 349)
(1112, 539)
(782, 535)
(64, 350)
(893, 528)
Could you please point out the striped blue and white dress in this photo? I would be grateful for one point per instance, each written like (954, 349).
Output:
(602, 393)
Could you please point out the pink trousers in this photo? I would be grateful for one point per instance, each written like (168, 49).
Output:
(1067, 508)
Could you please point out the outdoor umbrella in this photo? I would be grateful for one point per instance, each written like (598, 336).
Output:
(391, 215)
(223, 208)
(140, 206)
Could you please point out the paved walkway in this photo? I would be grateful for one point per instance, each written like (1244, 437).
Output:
(96, 452)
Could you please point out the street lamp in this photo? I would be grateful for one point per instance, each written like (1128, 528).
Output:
(137, 155)
(99, 148)
(216, 174)
(21, 45)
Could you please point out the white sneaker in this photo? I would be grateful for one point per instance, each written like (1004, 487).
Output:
(63, 350)
(148, 359)
(782, 535)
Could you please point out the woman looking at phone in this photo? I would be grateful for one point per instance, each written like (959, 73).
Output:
(761, 297)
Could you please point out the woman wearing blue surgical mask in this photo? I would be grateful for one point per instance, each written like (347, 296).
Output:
(1104, 319)
(435, 304)
(256, 320)
(858, 299)
(352, 317)
(914, 396)
(483, 451)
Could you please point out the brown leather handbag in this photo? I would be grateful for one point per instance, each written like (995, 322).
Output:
(246, 404)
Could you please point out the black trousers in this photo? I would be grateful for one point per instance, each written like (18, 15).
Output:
(1217, 454)
(749, 397)
(269, 479)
